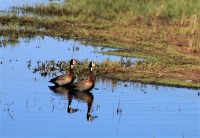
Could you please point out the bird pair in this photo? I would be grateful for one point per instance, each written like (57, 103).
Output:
(68, 79)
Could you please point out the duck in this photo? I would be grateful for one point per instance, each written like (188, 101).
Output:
(66, 79)
(88, 84)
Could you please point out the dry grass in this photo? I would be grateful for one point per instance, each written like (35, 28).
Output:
(165, 32)
(141, 71)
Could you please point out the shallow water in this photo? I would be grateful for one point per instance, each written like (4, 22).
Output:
(7, 4)
(118, 109)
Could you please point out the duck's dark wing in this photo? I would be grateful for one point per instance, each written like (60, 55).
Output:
(62, 80)
(83, 85)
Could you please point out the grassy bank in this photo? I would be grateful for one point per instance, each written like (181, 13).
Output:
(165, 33)
(121, 70)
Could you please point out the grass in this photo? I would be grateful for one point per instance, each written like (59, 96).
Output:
(111, 9)
(141, 71)
(165, 33)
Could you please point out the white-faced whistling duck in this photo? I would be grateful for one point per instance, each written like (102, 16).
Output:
(66, 78)
(85, 85)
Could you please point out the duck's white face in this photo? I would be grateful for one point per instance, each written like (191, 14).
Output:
(94, 64)
(74, 62)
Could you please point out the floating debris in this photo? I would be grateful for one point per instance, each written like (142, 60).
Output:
(29, 64)
(77, 48)
(125, 85)
(144, 91)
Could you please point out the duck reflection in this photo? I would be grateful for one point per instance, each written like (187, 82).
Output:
(84, 96)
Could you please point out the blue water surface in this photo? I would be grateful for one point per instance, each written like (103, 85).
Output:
(119, 109)
(5, 5)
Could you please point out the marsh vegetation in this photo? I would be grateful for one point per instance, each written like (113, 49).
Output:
(139, 45)
(165, 33)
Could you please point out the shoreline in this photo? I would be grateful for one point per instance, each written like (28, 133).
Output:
(170, 47)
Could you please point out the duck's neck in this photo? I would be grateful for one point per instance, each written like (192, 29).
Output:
(71, 70)
(91, 77)
(91, 69)
(71, 67)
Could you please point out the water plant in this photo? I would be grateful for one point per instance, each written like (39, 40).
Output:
(164, 33)
(147, 71)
